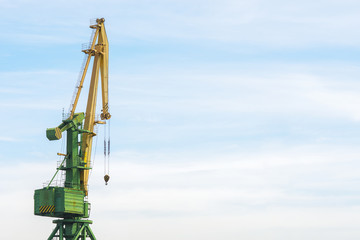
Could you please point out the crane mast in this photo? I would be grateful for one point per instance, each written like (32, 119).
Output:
(69, 201)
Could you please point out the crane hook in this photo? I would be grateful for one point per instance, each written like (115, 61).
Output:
(106, 178)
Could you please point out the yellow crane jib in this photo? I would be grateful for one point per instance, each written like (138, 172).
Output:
(99, 50)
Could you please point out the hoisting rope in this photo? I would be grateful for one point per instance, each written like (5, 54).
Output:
(106, 152)
(108, 148)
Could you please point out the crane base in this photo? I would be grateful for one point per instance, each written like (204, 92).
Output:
(72, 229)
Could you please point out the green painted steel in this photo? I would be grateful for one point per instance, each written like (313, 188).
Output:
(53, 133)
(67, 202)
(60, 202)
(72, 229)
(72, 200)
(43, 199)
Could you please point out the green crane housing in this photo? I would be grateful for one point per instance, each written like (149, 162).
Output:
(69, 201)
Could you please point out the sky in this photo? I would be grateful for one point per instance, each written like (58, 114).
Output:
(230, 119)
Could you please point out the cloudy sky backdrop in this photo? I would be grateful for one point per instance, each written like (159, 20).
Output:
(231, 119)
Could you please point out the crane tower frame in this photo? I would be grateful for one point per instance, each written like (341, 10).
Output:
(69, 202)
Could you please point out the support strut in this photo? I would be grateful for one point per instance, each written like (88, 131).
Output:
(72, 229)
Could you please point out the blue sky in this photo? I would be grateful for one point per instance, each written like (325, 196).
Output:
(231, 119)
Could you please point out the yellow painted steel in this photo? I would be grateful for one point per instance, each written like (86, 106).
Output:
(90, 54)
(47, 209)
(100, 51)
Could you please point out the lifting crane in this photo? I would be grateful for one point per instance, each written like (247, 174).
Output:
(69, 201)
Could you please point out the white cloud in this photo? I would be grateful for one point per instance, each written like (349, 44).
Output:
(276, 23)
(280, 93)
(229, 182)
(8, 139)
(218, 167)
(298, 225)
(278, 190)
